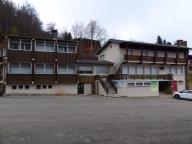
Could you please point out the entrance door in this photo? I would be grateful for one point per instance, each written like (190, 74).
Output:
(81, 88)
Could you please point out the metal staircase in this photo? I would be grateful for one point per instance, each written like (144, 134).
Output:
(109, 87)
(2, 89)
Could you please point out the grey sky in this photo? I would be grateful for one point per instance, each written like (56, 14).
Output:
(140, 20)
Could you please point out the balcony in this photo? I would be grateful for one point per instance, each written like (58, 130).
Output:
(132, 58)
(153, 59)
(148, 59)
(160, 59)
(139, 77)
(171, 60)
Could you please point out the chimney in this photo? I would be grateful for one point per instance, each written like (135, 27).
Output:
(54, 34)
(181, 43)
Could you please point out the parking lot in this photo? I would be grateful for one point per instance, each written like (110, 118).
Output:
(94, 120)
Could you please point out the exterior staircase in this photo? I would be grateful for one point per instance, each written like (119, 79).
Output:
(109, 87)
(2, 89)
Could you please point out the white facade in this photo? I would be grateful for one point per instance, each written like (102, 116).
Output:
(56, 89)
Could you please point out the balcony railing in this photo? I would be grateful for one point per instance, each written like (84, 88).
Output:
(153, 59)
(139, 77)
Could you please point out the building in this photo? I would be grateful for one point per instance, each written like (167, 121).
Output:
(144, 69)
(47, 66)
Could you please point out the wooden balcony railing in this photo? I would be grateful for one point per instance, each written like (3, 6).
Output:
(132, 58)
(153, 59)
(139, 77)
(171, 60)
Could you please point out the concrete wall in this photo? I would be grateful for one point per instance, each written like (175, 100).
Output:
(100, 89)
(87, 89)
(64, 89)
(181, 86)
(113, 53)
(136, 91)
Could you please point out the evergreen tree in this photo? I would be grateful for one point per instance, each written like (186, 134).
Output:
(159, 40)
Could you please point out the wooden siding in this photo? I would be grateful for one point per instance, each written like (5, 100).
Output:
(19, 56)
(66, 58)
(44, 57)
(151, 59)
(68, 79)
(19, 79)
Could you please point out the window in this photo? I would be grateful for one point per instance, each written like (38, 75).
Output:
(147, 70)
(14, 87)
(139, 84)
(125, 69)
(102, 69)
(173, 70)
(49, 86)
(131, 84)
(168, 70)
(154, 70)
(47, 46)
(20, 86)
(130, 52)
(38, 86)
(66, 69)
(151, 53)
(66, 47)
(26, 86)
(44, 86)
(180, 82)
(26, 45)
(139, 70)
(180, 70)
(86, 69)
(171, 55)
(17, 44)
(45, 69)
(161, 54)
(147, 83)
(145, 53)
(102, 57)
(20, 68)
(132, 70)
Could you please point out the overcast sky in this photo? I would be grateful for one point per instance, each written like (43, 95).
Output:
(140, 20)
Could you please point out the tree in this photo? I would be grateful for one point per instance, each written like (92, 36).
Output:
(95, 32)
(78, 30)
(92, 31)
(66, 35)
(159, 40)
(164, 42)
(21, 20)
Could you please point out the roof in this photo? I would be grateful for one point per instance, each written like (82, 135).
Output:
(140, 43)
(94, 62)
(38, 38)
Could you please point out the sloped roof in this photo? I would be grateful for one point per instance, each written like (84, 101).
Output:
(117, 41)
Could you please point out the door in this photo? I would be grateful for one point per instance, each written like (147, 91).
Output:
(81, 88)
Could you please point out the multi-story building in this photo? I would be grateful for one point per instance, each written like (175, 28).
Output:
(144, 69)
(53, 66)
(47, 66)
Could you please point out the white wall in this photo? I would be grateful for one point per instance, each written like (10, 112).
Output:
(136, 91)
(63, 89)
(113, 53)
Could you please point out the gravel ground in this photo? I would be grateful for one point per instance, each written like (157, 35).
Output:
(94, 120)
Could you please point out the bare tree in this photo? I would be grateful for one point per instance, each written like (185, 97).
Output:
(78, 30)
(95, 32)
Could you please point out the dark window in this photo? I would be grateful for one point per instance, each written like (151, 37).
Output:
(14, 87)
(49, 86)
(44, 86)
(26, 86)
(38, 86)
(20, 86)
